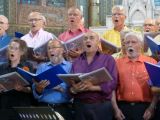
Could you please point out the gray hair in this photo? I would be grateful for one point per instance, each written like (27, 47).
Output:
(76, 8)
(138, 35)
(40, 14)
(5, 18)
(119, 7)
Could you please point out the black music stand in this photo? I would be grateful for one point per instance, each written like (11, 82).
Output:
(36, 113)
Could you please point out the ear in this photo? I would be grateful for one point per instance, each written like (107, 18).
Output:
(6, 26)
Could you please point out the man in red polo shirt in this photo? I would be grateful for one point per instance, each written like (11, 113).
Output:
(75, 27)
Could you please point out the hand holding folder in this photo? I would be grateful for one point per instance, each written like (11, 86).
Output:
(50, 74)
(11, 81)
(96, 77)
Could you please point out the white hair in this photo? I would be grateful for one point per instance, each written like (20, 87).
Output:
(119, 7)
(40, 14)
(138, 35)
(4, 18)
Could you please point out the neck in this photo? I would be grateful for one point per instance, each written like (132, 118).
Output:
(90, 56)
(34, 32)
(15, 63)
(133, 58)
(57, 60)
(74, 27)
(119, 28)
(2, 34)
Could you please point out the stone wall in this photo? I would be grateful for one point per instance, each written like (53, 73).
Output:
(56, 16)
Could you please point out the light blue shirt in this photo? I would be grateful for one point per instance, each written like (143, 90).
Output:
(4, 42)
(49, 95)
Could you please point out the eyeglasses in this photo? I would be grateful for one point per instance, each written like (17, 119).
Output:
(35, 20)
(117, 14)
(51, 48)
(148, 25)
(73, 14)
(89, 38)
(13, 48)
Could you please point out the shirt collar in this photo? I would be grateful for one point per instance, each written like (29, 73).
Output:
(64, 62)
(39, 32)
(1, 37)
(81, 29)
(83, 55)
(139, 59)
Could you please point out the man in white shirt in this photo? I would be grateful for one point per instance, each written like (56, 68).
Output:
(37, 36)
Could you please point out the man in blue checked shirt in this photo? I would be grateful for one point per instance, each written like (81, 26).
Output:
(57, 96)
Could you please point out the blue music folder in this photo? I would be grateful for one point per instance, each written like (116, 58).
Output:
(18, 34)
(153, 72)
(153, 45)
(50, 74)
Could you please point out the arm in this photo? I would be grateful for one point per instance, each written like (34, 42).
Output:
(109, 86)
(149, 112)
(118, 113)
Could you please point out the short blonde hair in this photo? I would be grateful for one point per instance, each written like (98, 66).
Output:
(119, 7)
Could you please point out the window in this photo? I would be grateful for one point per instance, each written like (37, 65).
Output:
(56, 3)
(157, 2)
(29, 2)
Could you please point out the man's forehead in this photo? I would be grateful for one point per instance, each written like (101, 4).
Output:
(117, 10)
(54, 43)
(89, 34)
(14, 44)
(34, 15)
(149, 21)
(131, 38)
(74, 11)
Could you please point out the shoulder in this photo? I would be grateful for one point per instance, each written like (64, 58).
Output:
(148, 59)
(43, 65)
(48, 34)
(62, 34)
(25, 36)
(121, 60)
(109, 30)
(4, 68)
(67, 62)
(106, 56)
(8, 37)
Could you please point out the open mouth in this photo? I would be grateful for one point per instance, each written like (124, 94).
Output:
(11, 55)
(130, 50)
(89, 46)
(33, 26)
(71, 21)
(116, 21)
(52, 55)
